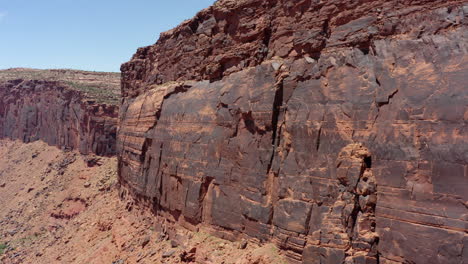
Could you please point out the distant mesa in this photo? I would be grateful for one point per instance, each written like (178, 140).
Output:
(101, 86)
(70, 109)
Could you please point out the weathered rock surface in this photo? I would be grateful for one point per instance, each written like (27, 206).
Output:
(57, 113)
(336, 129)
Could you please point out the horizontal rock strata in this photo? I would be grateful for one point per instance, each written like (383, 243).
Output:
(336, 129)
(57, 114)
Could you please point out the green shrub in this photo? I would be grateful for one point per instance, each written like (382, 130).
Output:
(100, 94)
(2, 248)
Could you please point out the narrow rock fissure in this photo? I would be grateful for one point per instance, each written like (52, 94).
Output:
(380, 104)
(277, 104)
(146, 144)
(368, 162)
(147, 169)
(158, 176)
(204, 188)
(266, 42)
(317, 144)
(377, 81)
(353, 218)
(308, 219)
(326, 31)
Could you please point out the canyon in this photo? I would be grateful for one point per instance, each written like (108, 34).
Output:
(334, 131)
(65, 108)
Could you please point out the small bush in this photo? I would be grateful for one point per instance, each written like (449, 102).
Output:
(2, 248)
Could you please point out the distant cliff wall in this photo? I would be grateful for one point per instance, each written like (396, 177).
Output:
(337, 129)
(50, 111)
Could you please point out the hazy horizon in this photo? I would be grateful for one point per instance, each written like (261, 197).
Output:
(90, 36)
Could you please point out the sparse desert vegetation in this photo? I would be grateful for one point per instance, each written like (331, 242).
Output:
(2, 248)
(102, 87)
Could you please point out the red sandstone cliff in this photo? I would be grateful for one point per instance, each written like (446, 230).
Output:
(337, 129)
(64, 108)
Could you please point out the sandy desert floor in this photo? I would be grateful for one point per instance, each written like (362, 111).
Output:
(61, 207)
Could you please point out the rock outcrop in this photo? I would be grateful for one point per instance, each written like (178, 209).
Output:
(337, 129)
(62, 113)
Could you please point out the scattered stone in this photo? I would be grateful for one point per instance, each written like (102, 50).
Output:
(276, 65)
(309, 59)
(243, 244)
(87, 184)
(161, 237)
(145, 241)
(104, 226)
(188, 256)
(12, 232)
(168, 253)
(2, 185)
(92, 161)
(140, 257)
(174, 244)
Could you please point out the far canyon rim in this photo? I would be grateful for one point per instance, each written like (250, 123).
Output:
(336, 130)
(65, 108)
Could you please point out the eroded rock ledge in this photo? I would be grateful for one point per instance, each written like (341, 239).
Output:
(57, 113)
(336, 129)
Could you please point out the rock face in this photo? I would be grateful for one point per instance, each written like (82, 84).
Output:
(58, 114)
(337, 129)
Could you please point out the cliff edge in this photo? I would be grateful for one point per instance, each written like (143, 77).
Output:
(336, 129)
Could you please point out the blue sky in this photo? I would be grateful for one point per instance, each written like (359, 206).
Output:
(94, 35)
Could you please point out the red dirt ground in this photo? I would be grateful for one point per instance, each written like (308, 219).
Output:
(56, 209)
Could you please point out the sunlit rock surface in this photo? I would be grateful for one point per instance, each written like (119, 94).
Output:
(336, 129)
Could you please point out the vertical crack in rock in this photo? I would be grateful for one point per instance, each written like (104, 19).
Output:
(158, 174)
(263, 52)
(319, 134)
(326, 31)
(270, 190)
(275, 142)
(146, 159)
(146, 144)
(205, 187)
(277, 105)
(378, 82)
(358, 201)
